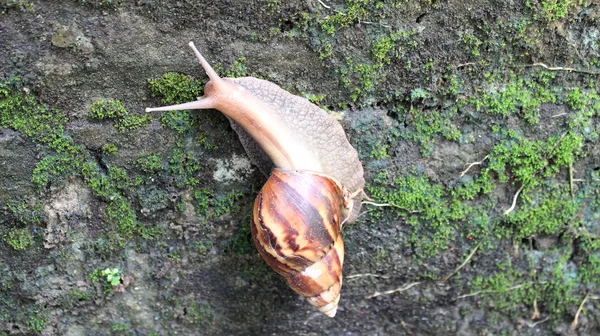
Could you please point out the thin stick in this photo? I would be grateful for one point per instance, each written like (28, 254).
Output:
(559, 115)
(464, 64)
(514, 203)
(536, 312)
(362, 213)
(389, 205)
(534, 324)
(461, 265)
(589, 72)
(397, 290)
(571, 181)
(324, 5)
(473, 164)
(361, 275)
(367, 196)
(488, 291)
(406, 328)
(562, 136)
(576, 319)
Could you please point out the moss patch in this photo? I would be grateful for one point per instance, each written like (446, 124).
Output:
(19, 239)
(114, 110)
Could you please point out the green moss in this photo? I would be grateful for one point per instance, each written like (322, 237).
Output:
(426, 206)
(392, 46)
(505, 290)
(199, 312)
(471, 42)
(23, 5)
(80, 296)
(429, 123)
(519, 96)
(120, 213)
(380, 151)
(203, 141)
(174, 88)
(21, 112)
(55, 167)
(109, 148)
(95, 275)
(548, 212)
(237, 69)
(576, 99)
(120, 326)
(314, 98)
(184, 167)
(36, 323)
(241, 243)
(209, 206)
(23, 213)
(179, 121)
(590, 272)
(150, 164)
(19, 239)
(202, 247)
(525, 161)
(114, 110)
(362, 77)
(550, 9)
(352, 12)
(426, 122)
(552, 288)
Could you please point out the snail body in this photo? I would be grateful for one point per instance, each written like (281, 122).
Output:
(299, 213)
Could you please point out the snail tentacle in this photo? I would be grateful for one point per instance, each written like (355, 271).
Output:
(256, 117)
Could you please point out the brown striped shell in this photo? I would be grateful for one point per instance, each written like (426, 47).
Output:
(296, 227)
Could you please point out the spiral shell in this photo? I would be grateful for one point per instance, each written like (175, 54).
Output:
(296, 226)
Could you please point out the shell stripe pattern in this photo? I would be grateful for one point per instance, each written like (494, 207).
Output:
(296, 229)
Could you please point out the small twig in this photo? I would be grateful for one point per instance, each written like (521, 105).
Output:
(397, 290)
(536, 312)
(324, 5)
(488, 291)
(461, 265)
(367, 197)
(362, 213)
(571, 181)
(361, 275)
(534, 324)
(576, 319)
(473, 164)
(559, 115)
(389, 205)
(406, 328)
(514, 203)
(465, 64)
(562, 136)
(589, 72)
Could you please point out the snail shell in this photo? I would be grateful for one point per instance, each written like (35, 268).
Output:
(296, 227)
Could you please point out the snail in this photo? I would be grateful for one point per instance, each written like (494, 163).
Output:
(315, 187)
